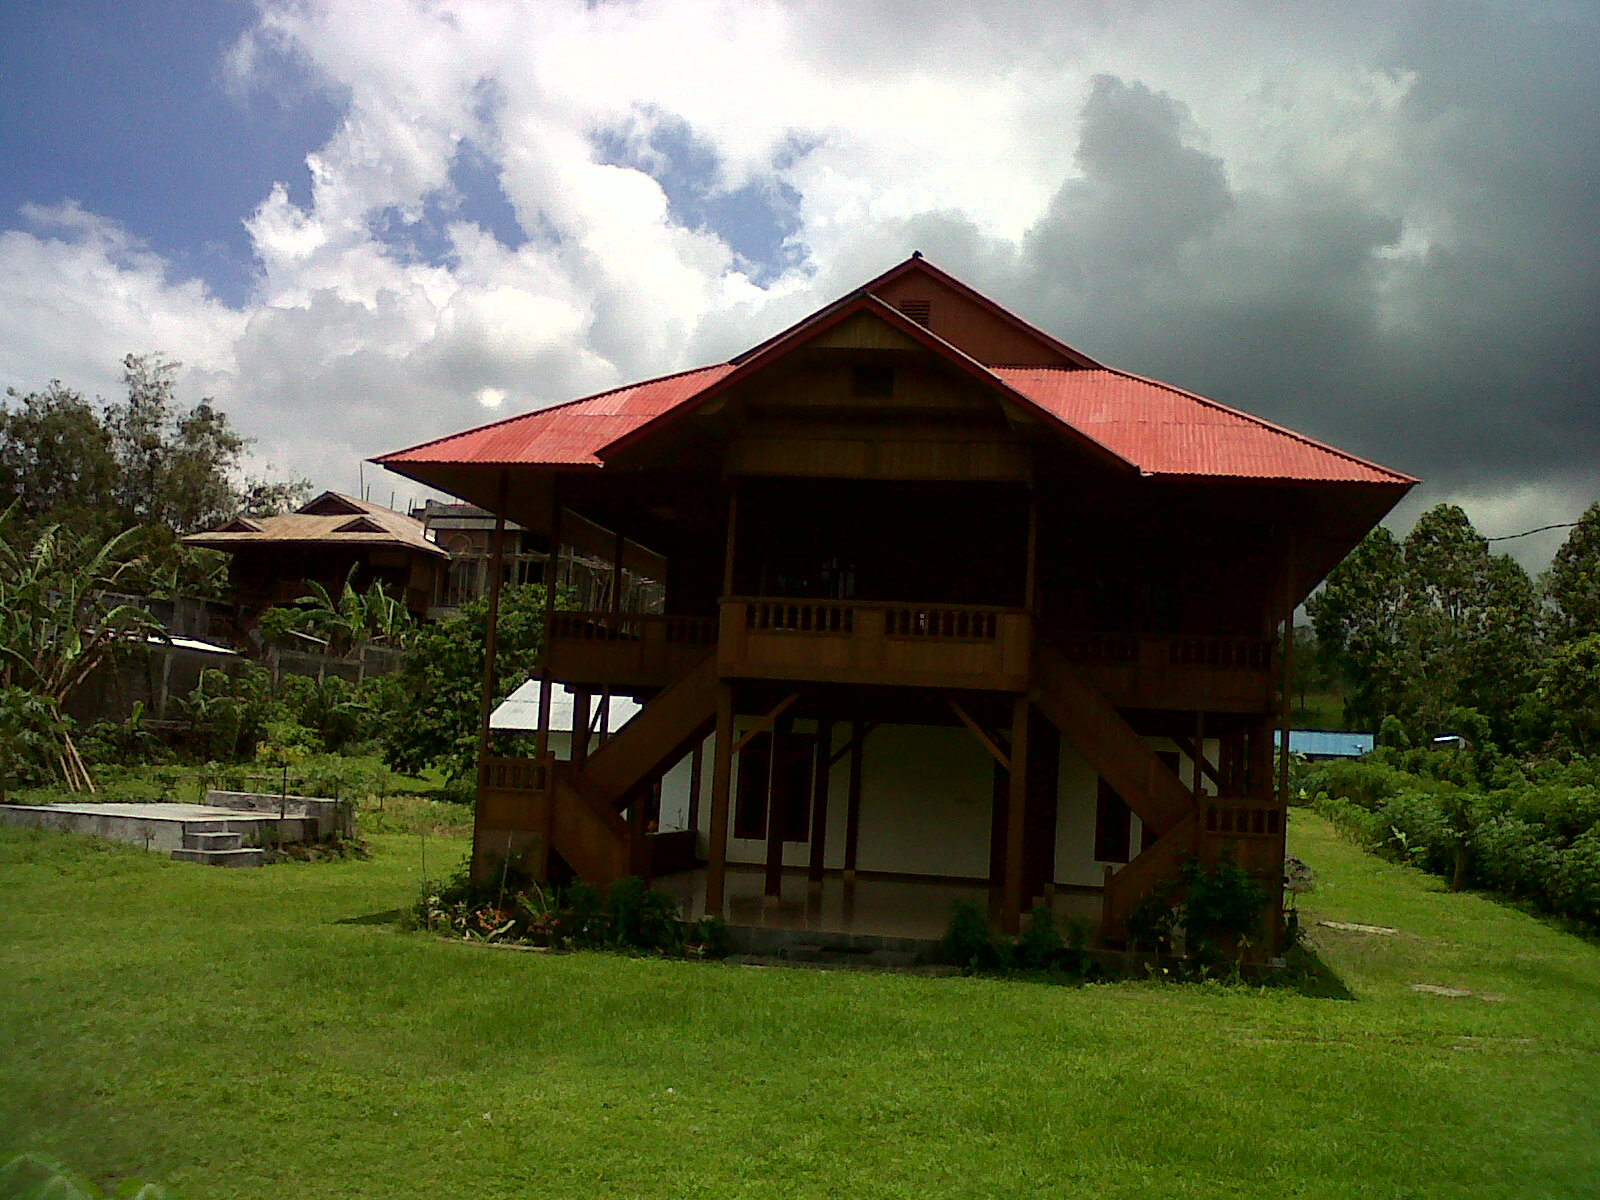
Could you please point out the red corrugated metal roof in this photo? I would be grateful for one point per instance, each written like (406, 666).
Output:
(566, 434)
(1155, 428)
(1164, 430)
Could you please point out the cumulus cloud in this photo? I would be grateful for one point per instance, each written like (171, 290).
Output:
(1373, 223)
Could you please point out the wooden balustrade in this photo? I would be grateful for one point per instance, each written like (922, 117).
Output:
(627, 649)
(633, 627)
(1228, 817)
(799, 616)
(955, 624)
(853, 641)
(1213, 674)
(516, 774)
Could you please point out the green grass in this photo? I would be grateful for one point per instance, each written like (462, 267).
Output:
(245, 1033)
(1318, 710)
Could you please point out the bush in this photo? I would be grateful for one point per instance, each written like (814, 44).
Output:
(968, 942)
(626, 916)
(1534, 834)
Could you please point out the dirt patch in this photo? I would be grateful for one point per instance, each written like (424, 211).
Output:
(1454, 993)
(1355, 927)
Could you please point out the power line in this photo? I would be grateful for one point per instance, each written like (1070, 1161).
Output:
(1526, 532)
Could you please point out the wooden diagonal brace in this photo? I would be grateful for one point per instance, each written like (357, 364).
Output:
(1000, 755)
(766, 722)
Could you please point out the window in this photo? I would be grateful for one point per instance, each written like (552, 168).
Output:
(750, 804)
(1113, 825)
(775, 773)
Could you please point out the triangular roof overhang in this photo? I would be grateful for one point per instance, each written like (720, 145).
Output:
(862, 301)
(918, 265)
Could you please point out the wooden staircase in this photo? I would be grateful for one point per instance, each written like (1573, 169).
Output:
(528, 808)
(1146, 784)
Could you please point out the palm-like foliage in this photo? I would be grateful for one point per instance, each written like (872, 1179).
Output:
(57, 621)
(355, 620)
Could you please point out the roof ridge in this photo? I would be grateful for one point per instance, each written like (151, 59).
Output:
(1237, 412)
(549, 408)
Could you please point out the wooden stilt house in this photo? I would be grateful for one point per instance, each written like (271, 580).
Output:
(946, 603)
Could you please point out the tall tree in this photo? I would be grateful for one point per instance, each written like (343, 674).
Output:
(1357, 619)
(1430, 625)
(56, 458)
(143, 460)
(1572, 584)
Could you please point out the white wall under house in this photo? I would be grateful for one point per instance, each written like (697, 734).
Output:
(925, 806)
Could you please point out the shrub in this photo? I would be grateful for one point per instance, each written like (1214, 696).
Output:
(627, 916)
(1041, 947)
(968, 942)
(1220, 906)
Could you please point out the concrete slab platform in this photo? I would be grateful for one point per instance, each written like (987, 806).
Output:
(162, 827)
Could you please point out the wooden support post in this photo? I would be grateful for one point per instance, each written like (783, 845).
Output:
(852, 821)
(721, 774)
(616, 581)
(491, 633)
(580, 729)
(727, 553)
(552, 577)
(1016, 813)
(1288, 673)
(1030, 587)
(480, 859)
(819, 803)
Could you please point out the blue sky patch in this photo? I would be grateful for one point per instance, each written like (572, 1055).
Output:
(756, 220)
(132, 121)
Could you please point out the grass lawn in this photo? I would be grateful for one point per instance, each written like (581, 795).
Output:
(246, 1033)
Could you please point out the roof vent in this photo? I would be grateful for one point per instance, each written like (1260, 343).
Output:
(361, 525)
(240, 525)
(331, 504)
(919, 311)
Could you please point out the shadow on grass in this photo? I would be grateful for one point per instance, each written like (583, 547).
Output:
(390, 917)
(1308, 975)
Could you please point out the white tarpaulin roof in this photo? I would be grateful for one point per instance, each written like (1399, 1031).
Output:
(519, 712)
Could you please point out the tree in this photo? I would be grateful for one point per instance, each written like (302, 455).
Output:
(1357, 619)
(143, 460)
(59, 621)
(434, 702)
(1569, 692)
(1572, 584)
(56, 460)
(1471, 617)
(1430, 625)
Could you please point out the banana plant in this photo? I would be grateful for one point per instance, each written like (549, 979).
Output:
(59, 622)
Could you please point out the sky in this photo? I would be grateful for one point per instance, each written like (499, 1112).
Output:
(359, 224)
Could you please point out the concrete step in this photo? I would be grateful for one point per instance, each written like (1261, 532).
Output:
(247, 857)
(206, 840)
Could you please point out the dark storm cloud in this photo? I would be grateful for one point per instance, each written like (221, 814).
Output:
(1467, 354)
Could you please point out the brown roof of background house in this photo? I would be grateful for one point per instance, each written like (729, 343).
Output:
(332, 519)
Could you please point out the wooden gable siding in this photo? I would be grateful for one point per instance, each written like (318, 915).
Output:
(810, 422)
(863, 331)
(967, 325)
(829, 452)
